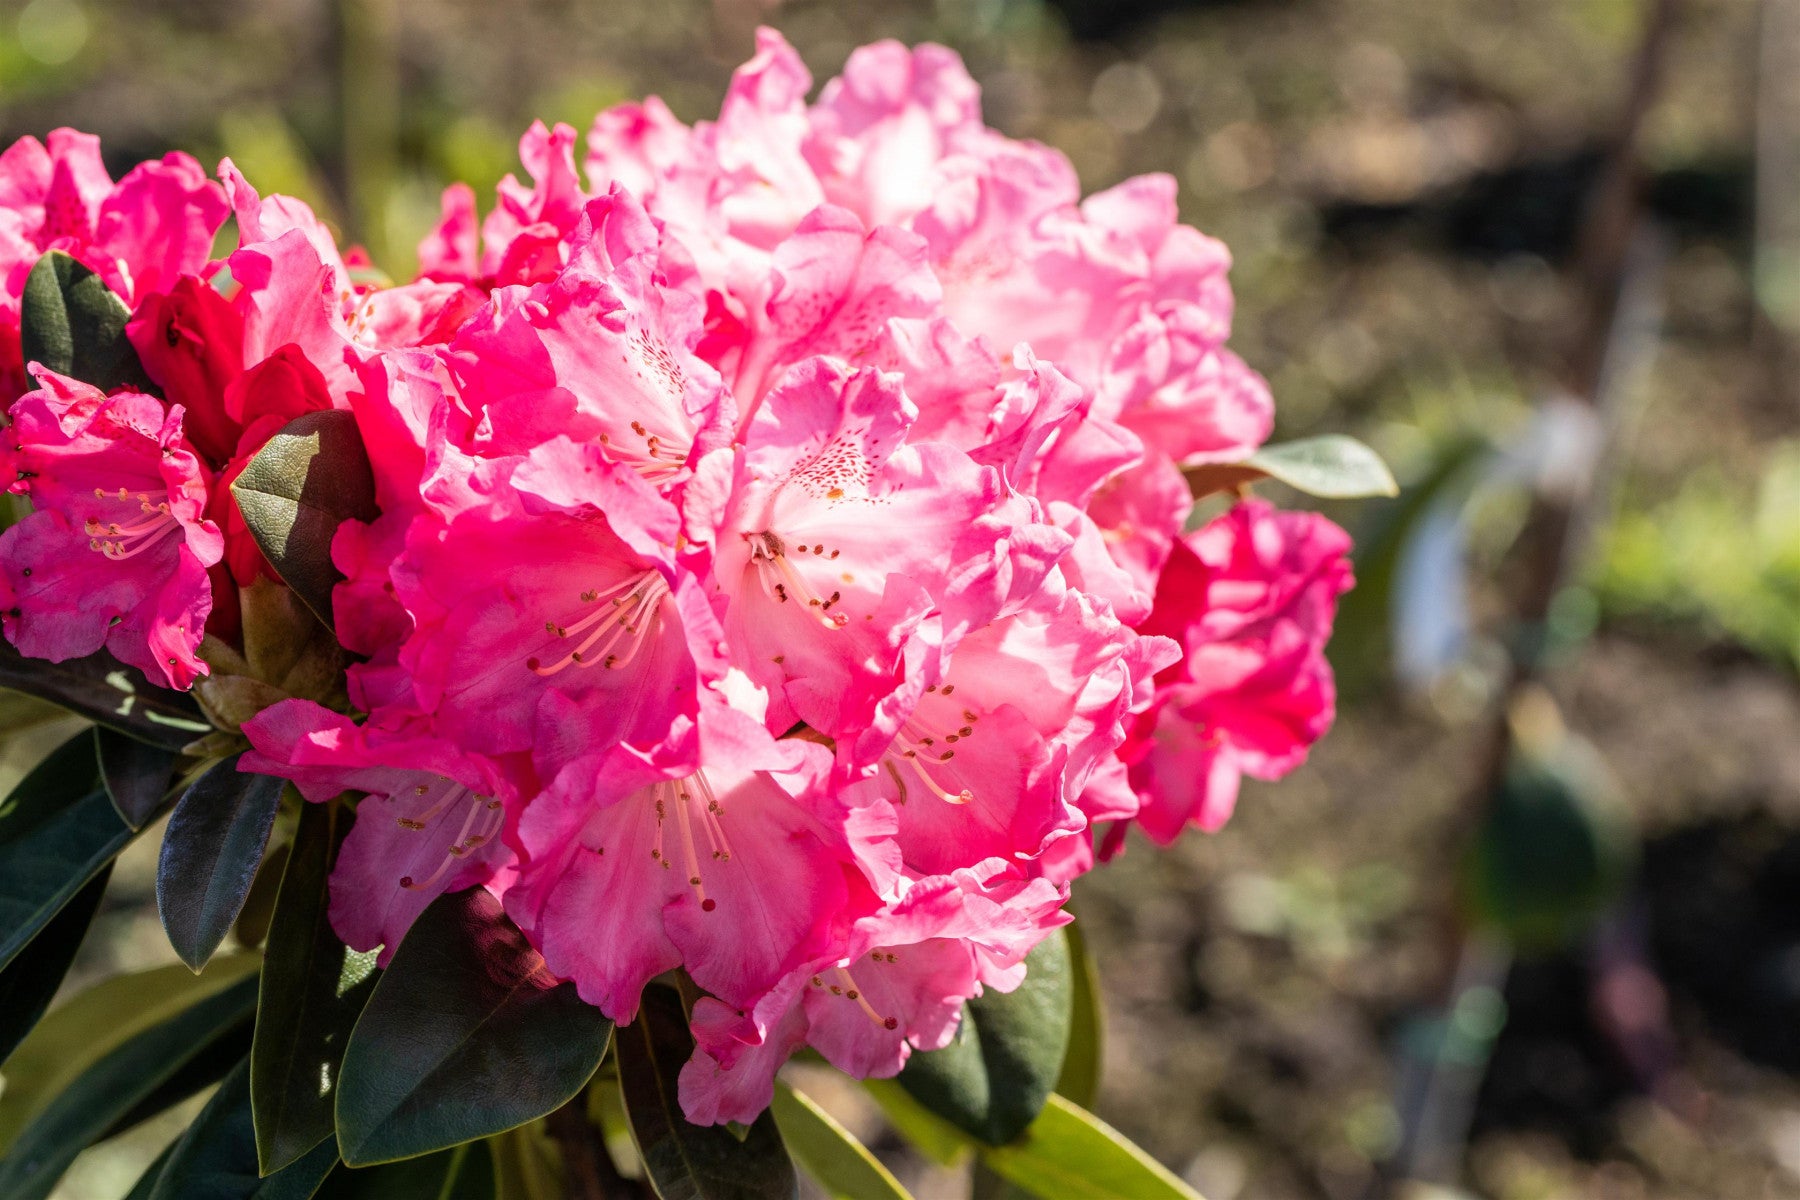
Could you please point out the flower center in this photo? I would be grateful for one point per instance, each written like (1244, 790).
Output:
(782, 583)
(925, 749)
(691, 801)
(649, 454)
(480, 823)
(125, 540)
(613, 632)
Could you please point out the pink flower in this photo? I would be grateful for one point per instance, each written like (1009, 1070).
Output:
(732, 864)
(521, 239)
(430, 821)
(833, 539)
(140, 234)
(116, 551)
(1250, 598)
(896, 983)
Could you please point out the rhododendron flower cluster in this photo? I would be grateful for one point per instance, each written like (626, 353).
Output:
(783, 568)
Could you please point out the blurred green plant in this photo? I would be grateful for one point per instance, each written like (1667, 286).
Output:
(1713, 555)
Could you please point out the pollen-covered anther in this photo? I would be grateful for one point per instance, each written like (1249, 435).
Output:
(680, 795)
(480, 824)
(613, 633)
(121, 541)
(781, 582)
(849, 991)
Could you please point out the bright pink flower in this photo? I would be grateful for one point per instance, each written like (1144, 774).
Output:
(1168, 381)
(732, 868)
(116, 551)
(140, 235)
(1250, 597)
(603, 353)
(430, 822)
(834, 539)
(896, 984)
(521, 239)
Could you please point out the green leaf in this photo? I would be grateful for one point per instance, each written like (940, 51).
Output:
(1070, 1154)
(210, 852)
(683, 1161)
(313, 989)
(215, 1159)
(464, 1172)
(934, 1137)
(468, 1034)
(830, 1153)
(57, 831)
(105, 691)
(1080, 1077)
(310, 478)
(994, 1076)
(87, 1027)
(29, 982)
(147, 1181)
(1334, 467)
(136, 775)
(527, 1164)
(71, 322)
(114, 1086)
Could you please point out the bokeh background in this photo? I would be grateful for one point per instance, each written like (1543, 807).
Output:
(1528, 923)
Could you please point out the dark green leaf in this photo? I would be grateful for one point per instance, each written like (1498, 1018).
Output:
(57, 830)
(1080, 1077)
(310, 478)
(1070, 1154)
(72, 322)
(313, 989)
(830, 1153)
(1334, 467)
(683, 1161)
(200, 1072)
(136, 774)
(29, 982)
(114, 1085)
(464, 1172)
(216, 1158)
(92, 1024)
(210, 852)
(103, 690)
(439, 1055)
(994, 1076)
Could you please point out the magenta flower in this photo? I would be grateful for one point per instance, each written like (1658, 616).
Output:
(115, 552)
(140, 235)
(1250, 598)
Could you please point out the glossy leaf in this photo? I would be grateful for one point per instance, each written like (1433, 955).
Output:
(30, 981)
(215, 1159)
(210, 853)
(105, 691)
(137, 775)
(683, 1161)
(71, 322)
(1333, 467)
(1079, 1079)
(115, 1084)
(90, 1025)
(313, 989)
(830, 1153)
(57, 831)
(310, 478)
(994, 1076)
(467, 1034)
(463, 1172)
(1070, 1154)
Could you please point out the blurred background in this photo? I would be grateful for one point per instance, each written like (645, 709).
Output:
(1528, 923)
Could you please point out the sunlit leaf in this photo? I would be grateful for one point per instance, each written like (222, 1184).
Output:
(1333, 467)
(1080, 1076)
(310, 478)
(1070, 1154)
(830, 1153)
